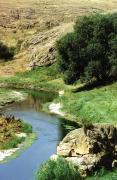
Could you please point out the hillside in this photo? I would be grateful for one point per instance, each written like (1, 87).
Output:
(43, 21)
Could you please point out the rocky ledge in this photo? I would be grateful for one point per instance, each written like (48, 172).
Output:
(90, 148)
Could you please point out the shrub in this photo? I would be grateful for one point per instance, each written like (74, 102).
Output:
(26, 128)
(57, 170)
(90, 52)
(6, 52)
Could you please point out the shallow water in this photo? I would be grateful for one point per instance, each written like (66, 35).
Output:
(49, 131)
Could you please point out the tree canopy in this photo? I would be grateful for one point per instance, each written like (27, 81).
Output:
(90, 51)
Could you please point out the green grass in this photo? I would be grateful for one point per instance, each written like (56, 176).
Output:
(94, 106)
(57, 170)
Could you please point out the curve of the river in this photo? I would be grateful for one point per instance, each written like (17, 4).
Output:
(49, 131)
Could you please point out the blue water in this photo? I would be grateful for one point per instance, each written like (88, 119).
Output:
(49, 131)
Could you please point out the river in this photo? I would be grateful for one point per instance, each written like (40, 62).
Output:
(49, 131)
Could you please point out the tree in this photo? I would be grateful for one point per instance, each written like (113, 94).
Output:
(90, 52)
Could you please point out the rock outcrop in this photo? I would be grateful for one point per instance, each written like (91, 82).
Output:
(42, 45)
(90, 148)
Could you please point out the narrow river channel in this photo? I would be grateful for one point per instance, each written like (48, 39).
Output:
(49, 131)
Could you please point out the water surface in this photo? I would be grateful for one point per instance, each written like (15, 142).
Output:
(49, 131)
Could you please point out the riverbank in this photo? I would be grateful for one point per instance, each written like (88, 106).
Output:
(14, 135)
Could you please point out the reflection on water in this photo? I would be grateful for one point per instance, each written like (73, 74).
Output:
(36, 99)
(49, 130)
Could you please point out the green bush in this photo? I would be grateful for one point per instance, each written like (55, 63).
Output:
(57, 170)
(90, 52)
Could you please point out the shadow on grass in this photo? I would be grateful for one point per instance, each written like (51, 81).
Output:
(94, 84)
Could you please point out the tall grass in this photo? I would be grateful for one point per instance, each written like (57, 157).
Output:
(57, 170)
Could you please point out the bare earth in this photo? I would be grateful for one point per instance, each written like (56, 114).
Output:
(26, 19)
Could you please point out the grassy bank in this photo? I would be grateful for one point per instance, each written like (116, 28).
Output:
(95, 106)
(87, 106)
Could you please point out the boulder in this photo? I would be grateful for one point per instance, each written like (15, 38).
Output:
(90, 147)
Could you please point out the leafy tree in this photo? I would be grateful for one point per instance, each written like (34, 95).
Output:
(90, 52)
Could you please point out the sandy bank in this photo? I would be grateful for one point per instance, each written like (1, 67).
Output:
(6, 153)
(56, 109)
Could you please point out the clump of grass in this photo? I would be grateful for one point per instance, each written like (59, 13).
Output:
(59, 169)
(13, 143)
